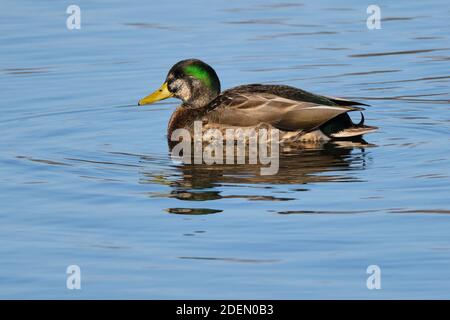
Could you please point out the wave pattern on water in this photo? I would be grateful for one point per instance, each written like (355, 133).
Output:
(86, 178)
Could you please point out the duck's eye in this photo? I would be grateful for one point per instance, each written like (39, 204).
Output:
(173, 86)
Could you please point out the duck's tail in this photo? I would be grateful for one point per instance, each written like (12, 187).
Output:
(342, 127)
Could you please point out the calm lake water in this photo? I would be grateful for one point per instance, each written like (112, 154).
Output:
(86, 179)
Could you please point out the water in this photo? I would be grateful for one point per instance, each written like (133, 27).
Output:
(85, 176)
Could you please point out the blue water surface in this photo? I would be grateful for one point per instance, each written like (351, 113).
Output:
(86, 178)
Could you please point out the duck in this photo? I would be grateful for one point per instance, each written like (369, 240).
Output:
(299, 115)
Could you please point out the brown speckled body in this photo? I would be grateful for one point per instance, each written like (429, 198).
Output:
(299, 115)
(184, 117)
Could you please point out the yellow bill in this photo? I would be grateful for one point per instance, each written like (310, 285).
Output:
(160, 94)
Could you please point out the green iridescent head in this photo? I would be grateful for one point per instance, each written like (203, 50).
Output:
(192, 81)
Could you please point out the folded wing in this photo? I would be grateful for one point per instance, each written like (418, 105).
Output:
(252, 107)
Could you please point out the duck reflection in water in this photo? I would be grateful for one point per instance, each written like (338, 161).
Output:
(311, 163)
